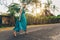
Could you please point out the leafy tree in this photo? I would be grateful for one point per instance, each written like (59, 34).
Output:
(58, 16)
(25, 1)
(13, 8)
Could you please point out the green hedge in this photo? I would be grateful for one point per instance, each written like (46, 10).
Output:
(41, 19)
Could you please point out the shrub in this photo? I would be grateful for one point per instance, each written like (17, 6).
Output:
(41, 19)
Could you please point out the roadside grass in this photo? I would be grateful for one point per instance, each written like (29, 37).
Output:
(28, 25)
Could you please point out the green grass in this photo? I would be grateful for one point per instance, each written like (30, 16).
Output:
(1, 26)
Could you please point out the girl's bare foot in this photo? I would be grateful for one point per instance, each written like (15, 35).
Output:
(14, 34)
(26, 32)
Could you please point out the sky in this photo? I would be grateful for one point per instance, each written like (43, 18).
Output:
(55, 2)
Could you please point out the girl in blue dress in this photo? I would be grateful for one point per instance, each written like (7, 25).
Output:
(22, 24)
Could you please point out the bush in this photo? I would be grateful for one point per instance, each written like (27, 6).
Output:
(41, 19)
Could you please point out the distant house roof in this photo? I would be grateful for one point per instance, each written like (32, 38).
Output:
(2, 13)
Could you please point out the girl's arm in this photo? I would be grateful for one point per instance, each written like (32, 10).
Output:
(26, 8)
(20, 11)
(20, 14)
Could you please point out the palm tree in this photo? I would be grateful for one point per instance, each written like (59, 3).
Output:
(36, 2)
(31, 2)
(25, 1)
(46, 10)
(49, 7)
(13, 8)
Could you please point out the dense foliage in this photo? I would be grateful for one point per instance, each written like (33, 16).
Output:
(13, 8)
(42, 19)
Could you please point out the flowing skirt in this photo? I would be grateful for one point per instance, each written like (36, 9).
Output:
(21, 25)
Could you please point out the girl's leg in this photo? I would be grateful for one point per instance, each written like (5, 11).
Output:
(14, 33)
(26, 32)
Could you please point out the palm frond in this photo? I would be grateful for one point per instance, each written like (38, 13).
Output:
(14, 8)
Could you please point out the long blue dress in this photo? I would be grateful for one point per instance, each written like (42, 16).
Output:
(22, 24)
